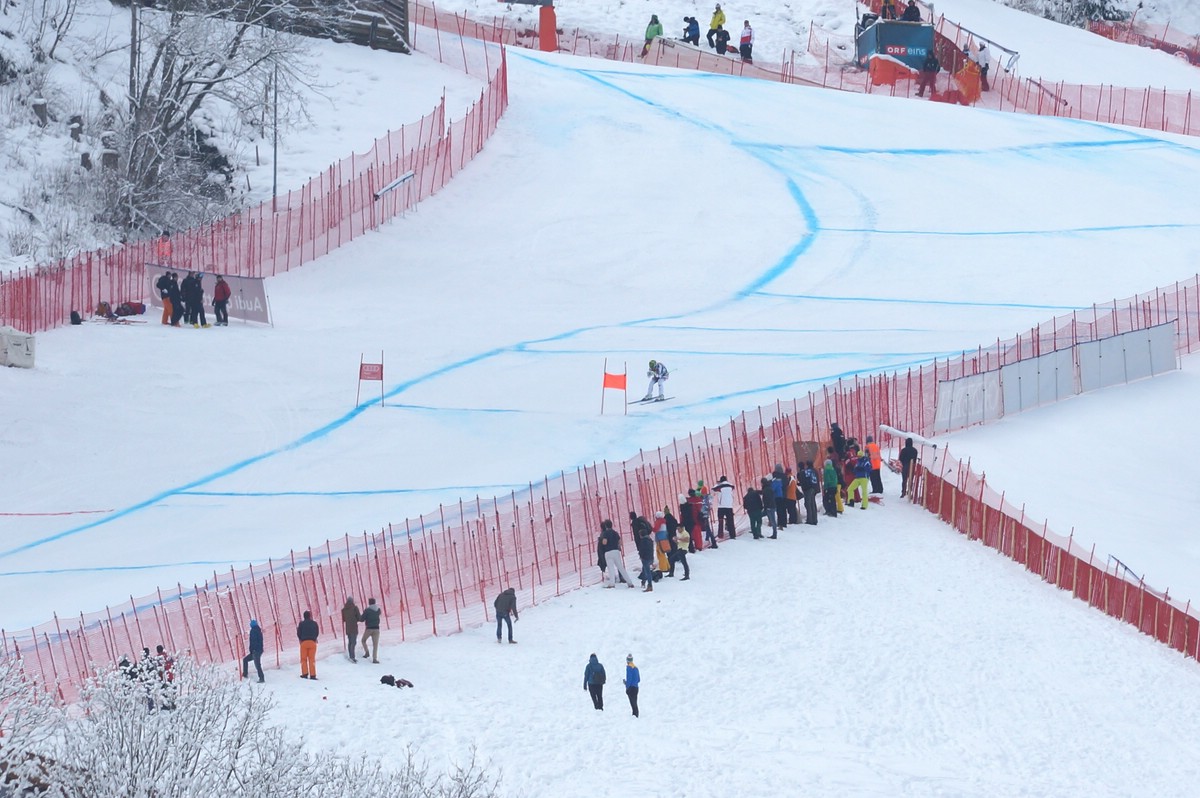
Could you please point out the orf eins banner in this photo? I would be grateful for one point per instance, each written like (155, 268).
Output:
(908, 42)
(247, 300)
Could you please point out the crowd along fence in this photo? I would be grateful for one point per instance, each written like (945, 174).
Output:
(439, 572)
(348, 199)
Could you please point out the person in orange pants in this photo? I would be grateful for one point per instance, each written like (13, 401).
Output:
(163, 284)
(308, 631)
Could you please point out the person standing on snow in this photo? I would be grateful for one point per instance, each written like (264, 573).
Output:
(254, 652)
(714, 25)
(691, 33)
(350, 619)
(908, 456)
(163, 284)
(593, 682)
(370, 619)
(307, 632)
(752, 503)
(696, 527)
(781, 519)
(722, 40)
(911, 12)
(662, 542)
(610, 549)
(221, 294)
(838, 439)
(982, 57)
(706, 513)
(768, 502)
(791, 494)
(679, 555)
(633, 678)
(645, 550)
(930, 68)
(876, 465)
(810, 485)
(746, 44)
(887, 9)
(862, 472)
(176, 296)
(725, 491)
(658, 375)
(653, 31)
(506, 604)
(829, 492)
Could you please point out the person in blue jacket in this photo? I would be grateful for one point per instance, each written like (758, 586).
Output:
(691, 33)
(593, 681)
(256, 652)
(633, 678)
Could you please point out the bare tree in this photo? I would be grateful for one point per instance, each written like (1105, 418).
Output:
(44, 25)
(189, 56)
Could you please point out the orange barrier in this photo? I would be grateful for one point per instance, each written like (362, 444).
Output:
(439, 572)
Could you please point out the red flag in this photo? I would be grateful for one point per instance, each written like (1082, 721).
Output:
(614, 381)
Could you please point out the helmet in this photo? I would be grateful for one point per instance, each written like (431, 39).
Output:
(653, 363)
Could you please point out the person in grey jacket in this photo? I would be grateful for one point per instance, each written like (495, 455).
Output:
(506, 605)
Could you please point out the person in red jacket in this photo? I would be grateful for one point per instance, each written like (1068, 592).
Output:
(746, 44)
(696, 529)
(221, 294)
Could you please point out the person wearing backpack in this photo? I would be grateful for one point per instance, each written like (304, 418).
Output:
(811, 485)
(506, 604)
(593, 682)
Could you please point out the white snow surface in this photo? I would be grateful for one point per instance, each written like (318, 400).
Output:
(762, 240)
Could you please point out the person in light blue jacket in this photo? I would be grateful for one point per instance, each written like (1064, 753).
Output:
(633, 678)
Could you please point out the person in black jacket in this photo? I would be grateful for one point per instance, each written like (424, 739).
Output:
(256, 651)
(930, 68)
(307, 631)
(911, 12)
(163, 284)
(196, 302)
(186, 291)
(645, 550)
(175, 295)
(609, 549)
(506, 605)
(753, 504)
(722, 37)
(908, 456)
(838, 439)
(768, 500)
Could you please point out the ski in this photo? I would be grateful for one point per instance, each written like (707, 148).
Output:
(652, 401)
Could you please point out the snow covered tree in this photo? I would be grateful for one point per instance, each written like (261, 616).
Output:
(196, 64)
(29, 719)
(1073, 12)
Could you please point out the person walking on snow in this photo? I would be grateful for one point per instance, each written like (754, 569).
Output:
(908, 456)
(633, 678)
(307, 632)
(714, 25)
(350, 619)
(255, 652)
(658, 375)
(752, 503)
(593, 682)
(725, 491)
(370, 619)
(610, 549)
(653, 31)
(746, 44)
(506, 604)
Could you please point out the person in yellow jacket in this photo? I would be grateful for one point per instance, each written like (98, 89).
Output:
(718, 19)
(682, 540)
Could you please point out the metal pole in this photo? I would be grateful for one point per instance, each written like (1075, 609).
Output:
(275, 137)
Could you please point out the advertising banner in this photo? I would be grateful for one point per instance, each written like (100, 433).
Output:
(247, 301)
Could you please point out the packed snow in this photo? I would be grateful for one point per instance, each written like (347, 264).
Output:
(762, 240)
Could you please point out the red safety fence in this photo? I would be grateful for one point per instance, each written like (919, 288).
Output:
(962, 498)
(351, 197)
(439, 572)
(1160, 37)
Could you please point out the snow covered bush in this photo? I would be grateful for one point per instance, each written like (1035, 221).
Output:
(1073, 12)
(138, 733)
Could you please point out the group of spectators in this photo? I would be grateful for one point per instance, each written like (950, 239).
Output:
(185, 300)
(718, 37)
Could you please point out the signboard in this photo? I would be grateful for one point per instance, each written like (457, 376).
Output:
(247, 300)
(907, 42)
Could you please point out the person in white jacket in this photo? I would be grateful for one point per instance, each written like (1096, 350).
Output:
(982, 57)
(725, 492)
(746, 44)
(658, 375)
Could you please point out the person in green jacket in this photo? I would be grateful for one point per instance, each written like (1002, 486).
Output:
(653, 30)
(829, 481)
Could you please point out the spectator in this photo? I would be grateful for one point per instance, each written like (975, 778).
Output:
(176, 297)
(609, 546)
(752, 503)
(350, 620)
(307, 631)
(645, 550)
(662, 542)
(887, 9)
(706, 513)
(679, 555)
(791, 488)
(829, 494)
(769, 509)
(911, 12)
(163, 284)
(653, 31)
(506, 604)
(930, 68)
(908, 456)
(196, 302)
(982, 57)
(777, 476)
(862, 471)
(255, 650)
(722, 37)
(221, 294)
(876, 465)
(163, 249)
(811, 485)
(714, 25)
(593, 681)
(836, 462)
(838, 439)
(696, 506)
(746, 45)
(633, 678)
(186, 291)
(370, 618)
(725, 492)
(691, 33)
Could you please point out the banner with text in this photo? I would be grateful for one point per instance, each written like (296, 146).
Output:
(247, 299)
